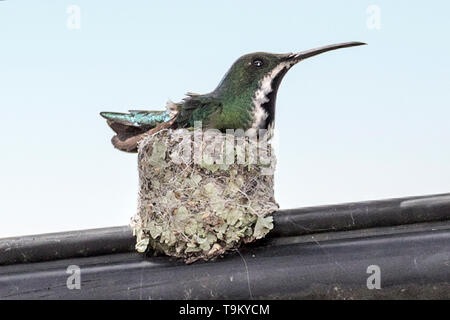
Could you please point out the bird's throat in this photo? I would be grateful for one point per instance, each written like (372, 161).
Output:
(263, 113)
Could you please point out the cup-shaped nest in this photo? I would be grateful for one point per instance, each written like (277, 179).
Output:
(203, 193)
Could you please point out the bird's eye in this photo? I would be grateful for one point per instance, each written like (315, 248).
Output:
(257, 62)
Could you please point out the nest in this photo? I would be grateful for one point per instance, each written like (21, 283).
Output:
(202, 194)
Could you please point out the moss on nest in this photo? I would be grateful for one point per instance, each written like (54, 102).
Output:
(194, 203)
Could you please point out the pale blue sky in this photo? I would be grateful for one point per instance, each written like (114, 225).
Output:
(356, 124)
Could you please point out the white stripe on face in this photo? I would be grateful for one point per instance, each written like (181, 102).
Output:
(261, 95)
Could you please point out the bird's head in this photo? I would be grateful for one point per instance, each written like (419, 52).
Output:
(257, 76)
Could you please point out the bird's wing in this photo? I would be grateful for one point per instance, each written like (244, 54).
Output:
(196, 107)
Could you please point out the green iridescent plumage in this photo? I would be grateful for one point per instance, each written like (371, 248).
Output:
(138, 118)
(244, 99)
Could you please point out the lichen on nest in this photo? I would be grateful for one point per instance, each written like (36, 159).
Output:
(202, 194)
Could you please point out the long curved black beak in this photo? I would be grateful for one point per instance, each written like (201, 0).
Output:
(313, 52)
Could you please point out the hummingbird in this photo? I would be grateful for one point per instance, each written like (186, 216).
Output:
(244, 99)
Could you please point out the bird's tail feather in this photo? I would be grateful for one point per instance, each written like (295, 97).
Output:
(130, 127)
(138, 118)
(130, 143)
